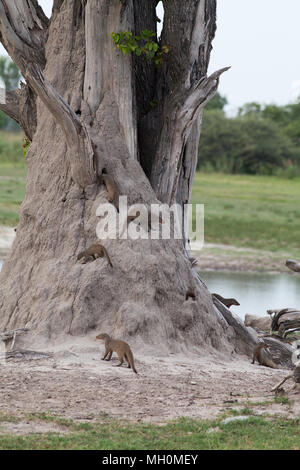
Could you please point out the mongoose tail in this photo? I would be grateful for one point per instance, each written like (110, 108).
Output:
(112, 190)
(107, 257)
(130, 360)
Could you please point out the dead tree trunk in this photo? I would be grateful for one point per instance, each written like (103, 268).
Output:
(86, 107)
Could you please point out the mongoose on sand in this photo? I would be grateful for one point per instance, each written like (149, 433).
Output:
(120, 347)
(111, 187)
(227, 302)
(261, 357)
(95, 251)
(190, 293)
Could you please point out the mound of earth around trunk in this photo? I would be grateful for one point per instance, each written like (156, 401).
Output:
(76, 384)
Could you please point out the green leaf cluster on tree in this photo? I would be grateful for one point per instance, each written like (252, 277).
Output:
(143, 44)
(259, 140)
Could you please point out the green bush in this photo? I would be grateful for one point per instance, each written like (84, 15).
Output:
(249, 143)
(11, 148)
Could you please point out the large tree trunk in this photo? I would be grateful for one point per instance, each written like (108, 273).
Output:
(86, 107)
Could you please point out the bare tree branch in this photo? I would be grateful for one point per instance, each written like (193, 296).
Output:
(183, 111)
(11, 105)
(27, 110)
(20, 41)
(82, 157)
(23, 24)
(20, 105)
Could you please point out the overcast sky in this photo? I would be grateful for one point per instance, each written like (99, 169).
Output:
(260, 39)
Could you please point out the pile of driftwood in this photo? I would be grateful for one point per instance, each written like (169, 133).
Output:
(295, 375)
(10, 336)
(285, 321)
(277, 331)
(256, 330)
(274, 330)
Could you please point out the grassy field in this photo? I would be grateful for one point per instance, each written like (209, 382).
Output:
(12, 177)
(183, 434)
(259, 212)
(255, 211)
(245, 211)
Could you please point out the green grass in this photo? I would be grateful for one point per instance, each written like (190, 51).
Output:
(12, 192)
(261, 212)
(12, 177)
(182, 434)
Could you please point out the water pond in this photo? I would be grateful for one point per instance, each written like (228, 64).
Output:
(256, 292)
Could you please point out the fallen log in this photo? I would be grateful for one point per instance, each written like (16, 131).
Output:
(262, 323)
(246, 337)
(293, 265)
(7, 335)
(291, 339)
(288, 313)
(262, 334)
(25, 354)
(295, 375)
(281, 352)
(289, 325)
(12, 335)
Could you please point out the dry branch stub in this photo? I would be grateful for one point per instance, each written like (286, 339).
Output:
(293, 265)
(25, 354)
(286, 321)
(295, 375)
(11, 336)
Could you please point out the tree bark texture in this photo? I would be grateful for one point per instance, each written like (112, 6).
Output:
(86, 107)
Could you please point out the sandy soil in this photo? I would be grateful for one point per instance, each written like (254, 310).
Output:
(232, 258)
(76, 384)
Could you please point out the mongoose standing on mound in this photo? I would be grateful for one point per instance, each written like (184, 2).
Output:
(95, 251)
(261, 357)
(227, 302)
(190, 293)
(111, 187)
(120, 347)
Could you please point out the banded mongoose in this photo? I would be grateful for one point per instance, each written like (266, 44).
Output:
(94, 251)
(261, 357)
(112, 190)
(227, 302)
(190, 293)
(120, 347)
